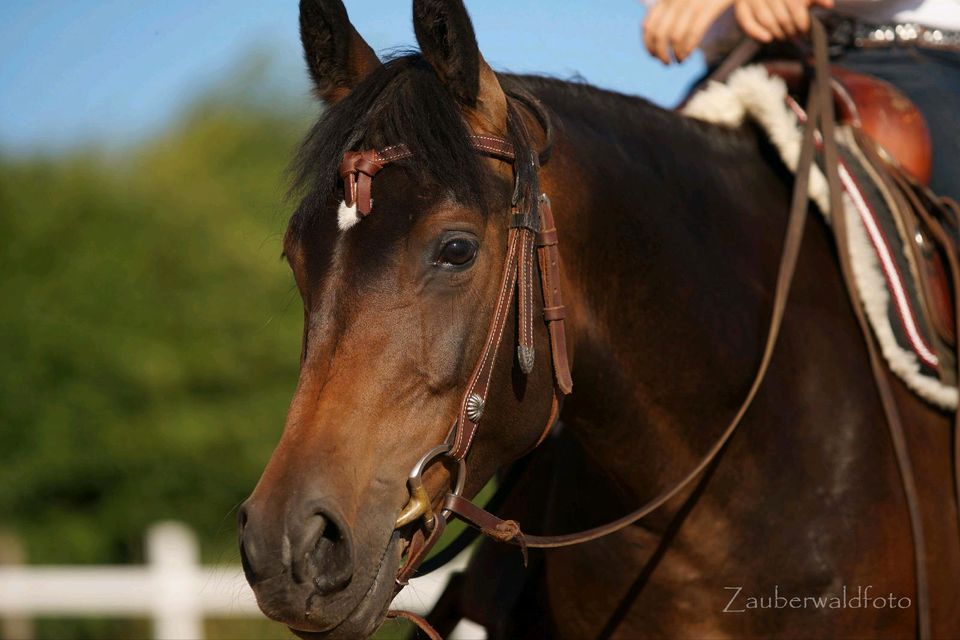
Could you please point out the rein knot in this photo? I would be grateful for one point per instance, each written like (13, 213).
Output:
(508, 531)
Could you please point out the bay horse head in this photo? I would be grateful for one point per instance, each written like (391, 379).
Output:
(402, 282)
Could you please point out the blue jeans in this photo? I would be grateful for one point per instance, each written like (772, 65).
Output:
(931, 79)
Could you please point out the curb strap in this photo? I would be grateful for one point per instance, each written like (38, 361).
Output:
(420, 546)
(420, 621)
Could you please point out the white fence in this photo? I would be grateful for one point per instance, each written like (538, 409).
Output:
(172, 589)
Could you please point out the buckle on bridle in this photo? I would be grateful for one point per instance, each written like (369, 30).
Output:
(420, 504)
(530, 219)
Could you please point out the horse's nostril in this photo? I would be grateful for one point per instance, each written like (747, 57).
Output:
(315, 551)
(246, 561)
(331, 555)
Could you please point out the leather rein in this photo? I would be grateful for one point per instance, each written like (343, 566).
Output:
(533, 229)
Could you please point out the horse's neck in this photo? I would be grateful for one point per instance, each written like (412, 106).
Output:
(671, 239)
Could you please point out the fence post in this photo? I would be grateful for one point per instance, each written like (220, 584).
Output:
(12, 553)
(173, 555)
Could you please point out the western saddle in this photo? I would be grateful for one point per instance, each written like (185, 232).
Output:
(895, 128)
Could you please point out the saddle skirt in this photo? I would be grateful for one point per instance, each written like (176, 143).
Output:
(898, 256)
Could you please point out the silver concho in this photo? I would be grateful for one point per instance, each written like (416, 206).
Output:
(474, 407)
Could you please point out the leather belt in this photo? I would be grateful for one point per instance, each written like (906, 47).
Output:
(849, 32)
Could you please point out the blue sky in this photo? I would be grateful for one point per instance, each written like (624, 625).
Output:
(114, 71)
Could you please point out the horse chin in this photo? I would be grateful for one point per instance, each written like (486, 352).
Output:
(371, 609)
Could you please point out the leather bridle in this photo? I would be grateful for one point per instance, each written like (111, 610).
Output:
(532, 232)
(532, 227)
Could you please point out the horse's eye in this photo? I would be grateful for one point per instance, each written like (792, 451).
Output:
(457, 253)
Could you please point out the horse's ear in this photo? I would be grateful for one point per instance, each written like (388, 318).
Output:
(338, 58)
(448, 43)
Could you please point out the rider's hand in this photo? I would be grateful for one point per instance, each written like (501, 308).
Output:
(767, 20)
(678, 26)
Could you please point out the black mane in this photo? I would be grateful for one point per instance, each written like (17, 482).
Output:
(402, 101)
(405, 101)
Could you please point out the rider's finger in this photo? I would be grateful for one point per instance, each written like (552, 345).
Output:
(697, 25)
(653, 27)
(764, 16)
(800, 11)
(663, 32)
(783, 17)
(749, 23)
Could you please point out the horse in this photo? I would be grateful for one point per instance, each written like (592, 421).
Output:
(669, 234)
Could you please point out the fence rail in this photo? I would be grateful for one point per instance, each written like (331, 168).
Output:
(172, 589)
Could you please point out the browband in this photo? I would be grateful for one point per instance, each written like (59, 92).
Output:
(359, 167)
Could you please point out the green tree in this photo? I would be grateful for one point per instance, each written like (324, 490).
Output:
(149, 335)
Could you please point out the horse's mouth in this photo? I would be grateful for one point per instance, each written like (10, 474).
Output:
(371, 608)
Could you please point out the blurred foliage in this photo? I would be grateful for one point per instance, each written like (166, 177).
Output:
(150, 335)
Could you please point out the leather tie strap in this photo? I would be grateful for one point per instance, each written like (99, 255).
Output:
(357, 171)
(417, 552)
(553, 310)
